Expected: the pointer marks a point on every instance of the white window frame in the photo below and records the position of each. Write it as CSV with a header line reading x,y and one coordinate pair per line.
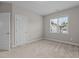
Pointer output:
x,y
59,31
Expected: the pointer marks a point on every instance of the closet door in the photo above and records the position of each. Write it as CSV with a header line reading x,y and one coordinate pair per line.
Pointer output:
x,y
20,30
4,31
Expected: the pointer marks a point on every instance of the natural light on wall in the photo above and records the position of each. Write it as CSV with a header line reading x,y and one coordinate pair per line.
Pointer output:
x,y
59,25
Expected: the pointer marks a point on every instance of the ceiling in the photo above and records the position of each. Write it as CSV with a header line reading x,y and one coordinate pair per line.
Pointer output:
x,y
46,7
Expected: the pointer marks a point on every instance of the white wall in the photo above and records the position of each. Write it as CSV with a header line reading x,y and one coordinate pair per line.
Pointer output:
x,y
73,35
34,26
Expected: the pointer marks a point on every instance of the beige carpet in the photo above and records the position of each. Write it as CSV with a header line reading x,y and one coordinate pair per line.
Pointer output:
x,y
43,49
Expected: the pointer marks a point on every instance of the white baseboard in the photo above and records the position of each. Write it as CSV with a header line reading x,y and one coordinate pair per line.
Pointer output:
x,y
76,44
5,49
33,40
30,41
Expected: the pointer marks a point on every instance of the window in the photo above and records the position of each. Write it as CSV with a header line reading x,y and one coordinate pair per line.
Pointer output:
x,y
53,25
59,25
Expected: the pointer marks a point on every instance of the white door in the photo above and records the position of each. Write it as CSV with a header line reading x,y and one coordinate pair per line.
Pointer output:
x,y
20,30
4,31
